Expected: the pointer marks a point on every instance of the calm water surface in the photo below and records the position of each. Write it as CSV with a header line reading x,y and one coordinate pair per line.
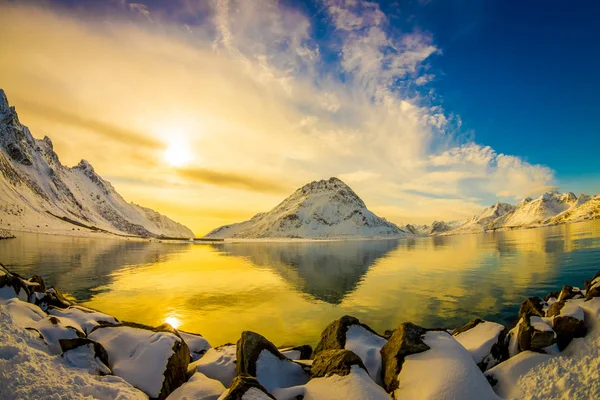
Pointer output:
x,y
289,292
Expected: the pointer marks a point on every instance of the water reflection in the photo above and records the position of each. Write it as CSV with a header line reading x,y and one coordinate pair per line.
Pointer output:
x,y
327,271
290,291
81,267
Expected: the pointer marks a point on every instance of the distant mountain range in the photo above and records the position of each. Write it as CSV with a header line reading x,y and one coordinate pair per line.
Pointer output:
x,y
318,210
38,193
330,209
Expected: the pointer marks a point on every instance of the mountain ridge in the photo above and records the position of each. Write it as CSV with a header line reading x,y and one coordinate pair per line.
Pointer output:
x,y
38,191
318,210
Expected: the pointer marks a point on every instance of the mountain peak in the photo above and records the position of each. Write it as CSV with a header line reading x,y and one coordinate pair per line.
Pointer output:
x,y
85,166
4,106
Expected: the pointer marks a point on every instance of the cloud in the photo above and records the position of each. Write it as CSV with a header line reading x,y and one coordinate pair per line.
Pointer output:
x,y
103,129
263,104
232,180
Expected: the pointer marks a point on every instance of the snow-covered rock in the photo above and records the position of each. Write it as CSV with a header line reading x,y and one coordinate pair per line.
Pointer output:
x,y
52,330
218,363
444,371
4,234
198,387
535,333
28,371
348,333
302,352
337,374
318,210
41,194
484,340
87,354
154,360
504,376
258,357
197,344
83,318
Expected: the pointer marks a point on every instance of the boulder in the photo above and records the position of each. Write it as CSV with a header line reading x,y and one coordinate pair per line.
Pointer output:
x,y
592,287
445,371
41,287
83,318
85,353
567,321
552,295
246,387
531,306
154,360
348,333
218,363
198,387
14,285
52,297
407,339
258,357
568,293
335,362
485,341
337,374
197,344
505,376
535,334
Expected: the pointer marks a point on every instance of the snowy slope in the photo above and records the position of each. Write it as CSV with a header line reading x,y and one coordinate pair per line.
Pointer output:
x,y
37,191
323,209
549,209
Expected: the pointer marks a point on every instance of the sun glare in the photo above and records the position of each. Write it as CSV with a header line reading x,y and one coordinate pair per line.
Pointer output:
x,y
178,154
173,321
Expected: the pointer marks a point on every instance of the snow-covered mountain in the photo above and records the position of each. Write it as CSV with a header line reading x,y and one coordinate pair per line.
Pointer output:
x,y
318,210
549,209
38,193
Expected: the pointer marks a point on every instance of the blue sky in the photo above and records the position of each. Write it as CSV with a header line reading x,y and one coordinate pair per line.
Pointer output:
x,y
428,109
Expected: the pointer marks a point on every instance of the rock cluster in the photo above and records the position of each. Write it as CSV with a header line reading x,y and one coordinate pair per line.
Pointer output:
x,y
351,361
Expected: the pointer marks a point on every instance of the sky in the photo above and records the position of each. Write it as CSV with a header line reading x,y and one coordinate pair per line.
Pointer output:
x,y
213,111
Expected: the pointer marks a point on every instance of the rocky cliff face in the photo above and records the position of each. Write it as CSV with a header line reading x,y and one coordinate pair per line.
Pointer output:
x,y
320,209
37,191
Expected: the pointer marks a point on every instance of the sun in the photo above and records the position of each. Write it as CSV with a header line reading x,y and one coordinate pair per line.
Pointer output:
x,y
173,321
178,154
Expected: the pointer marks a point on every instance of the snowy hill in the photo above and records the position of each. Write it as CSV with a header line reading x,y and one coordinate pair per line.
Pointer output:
x,y
318,210
38,193
551,208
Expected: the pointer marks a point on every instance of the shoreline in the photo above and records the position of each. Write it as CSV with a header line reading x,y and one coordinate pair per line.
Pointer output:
x,y
482,355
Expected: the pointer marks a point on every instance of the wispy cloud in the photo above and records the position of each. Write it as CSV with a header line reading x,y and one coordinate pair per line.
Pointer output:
x,y
232,180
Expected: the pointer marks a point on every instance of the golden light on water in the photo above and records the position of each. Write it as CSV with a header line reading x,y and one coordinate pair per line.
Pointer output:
x,y
173,321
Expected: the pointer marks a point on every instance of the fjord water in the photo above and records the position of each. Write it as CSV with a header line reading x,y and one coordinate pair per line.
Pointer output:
x,y
289,292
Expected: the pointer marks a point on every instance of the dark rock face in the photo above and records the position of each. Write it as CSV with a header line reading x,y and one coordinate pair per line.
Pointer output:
x,y
334,336
16,282
551,294
70,344
469,325
592,291
407,339
305,350
567,328
568,293
530,338
241,384
249,347
53,297
41,287
555,308
335,362
531,306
